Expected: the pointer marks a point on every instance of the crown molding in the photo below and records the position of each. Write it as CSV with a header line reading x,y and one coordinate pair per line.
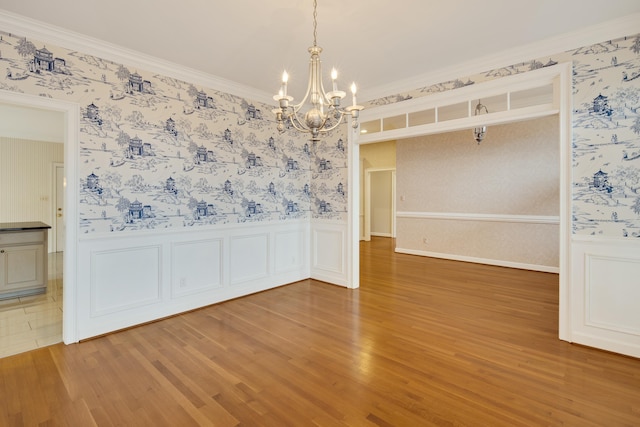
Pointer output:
x,y
27,27
609,30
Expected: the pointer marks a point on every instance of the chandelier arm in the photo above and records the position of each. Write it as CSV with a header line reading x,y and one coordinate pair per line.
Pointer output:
x,y
299,105
293,119
325,100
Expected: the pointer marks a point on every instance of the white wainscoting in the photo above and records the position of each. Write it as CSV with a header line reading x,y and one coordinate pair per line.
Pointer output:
x,y
196,266
329,261
248,258
605,294
133,278
289,247
125,278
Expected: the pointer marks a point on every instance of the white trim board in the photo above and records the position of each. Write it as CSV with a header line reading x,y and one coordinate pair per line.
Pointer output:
x,y
505,86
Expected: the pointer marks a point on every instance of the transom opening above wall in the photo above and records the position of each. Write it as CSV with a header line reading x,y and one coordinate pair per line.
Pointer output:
x,y
504,100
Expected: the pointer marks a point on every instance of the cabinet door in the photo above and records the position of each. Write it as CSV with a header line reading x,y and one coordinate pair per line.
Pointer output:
x,y
21,267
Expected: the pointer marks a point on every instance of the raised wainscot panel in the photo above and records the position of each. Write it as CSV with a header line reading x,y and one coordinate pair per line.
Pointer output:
x,y
328,254
289,250
196,266
248,257
122,279
605,291
612,293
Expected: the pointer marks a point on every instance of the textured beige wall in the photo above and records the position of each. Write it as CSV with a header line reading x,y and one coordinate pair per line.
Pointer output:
x,y
532,244
514,171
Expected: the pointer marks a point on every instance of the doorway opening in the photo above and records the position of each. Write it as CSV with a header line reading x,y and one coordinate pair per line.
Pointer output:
x,y
62,195
379,203
534,94
31,154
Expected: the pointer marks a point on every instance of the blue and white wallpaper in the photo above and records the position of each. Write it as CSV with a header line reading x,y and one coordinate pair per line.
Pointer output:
x,y
157,152
606,132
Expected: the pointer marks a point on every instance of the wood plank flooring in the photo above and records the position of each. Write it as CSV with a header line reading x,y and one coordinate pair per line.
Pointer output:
x,y
423,342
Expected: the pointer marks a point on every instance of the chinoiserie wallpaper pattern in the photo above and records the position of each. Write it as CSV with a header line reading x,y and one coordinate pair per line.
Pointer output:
x,y
606,132
158,153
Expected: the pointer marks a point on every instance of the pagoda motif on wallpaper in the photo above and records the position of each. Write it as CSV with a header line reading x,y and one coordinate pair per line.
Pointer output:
x,y
606,140
157,152
328,170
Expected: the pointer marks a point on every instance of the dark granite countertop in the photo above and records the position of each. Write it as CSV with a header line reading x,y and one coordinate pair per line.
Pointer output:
x,y
22,226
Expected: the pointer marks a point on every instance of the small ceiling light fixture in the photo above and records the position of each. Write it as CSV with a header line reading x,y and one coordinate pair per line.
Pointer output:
x,y
323,112
480,131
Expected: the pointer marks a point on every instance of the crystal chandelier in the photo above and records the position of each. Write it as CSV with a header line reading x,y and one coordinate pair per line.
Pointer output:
x,y
322,113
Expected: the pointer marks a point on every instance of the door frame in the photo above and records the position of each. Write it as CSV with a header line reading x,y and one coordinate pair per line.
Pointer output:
x,y
367,200
71,114
54,204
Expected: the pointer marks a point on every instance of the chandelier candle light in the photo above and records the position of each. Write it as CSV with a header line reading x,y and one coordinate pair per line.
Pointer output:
x,y
323,112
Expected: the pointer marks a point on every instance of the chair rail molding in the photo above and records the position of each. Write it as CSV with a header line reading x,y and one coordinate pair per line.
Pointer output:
x,y
527,219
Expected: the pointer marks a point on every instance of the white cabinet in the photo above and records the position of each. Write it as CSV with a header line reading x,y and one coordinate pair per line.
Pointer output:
x,y
23,262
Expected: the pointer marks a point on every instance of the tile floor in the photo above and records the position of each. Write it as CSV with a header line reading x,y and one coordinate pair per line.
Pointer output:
x,y
34,321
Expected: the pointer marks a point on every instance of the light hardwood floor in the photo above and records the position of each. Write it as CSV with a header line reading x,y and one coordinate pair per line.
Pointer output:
x,y
423,342
30,322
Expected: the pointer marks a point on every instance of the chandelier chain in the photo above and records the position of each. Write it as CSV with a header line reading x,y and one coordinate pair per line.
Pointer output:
x,y
315,22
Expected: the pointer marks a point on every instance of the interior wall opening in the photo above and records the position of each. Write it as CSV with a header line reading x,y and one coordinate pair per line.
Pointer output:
x,y
32,154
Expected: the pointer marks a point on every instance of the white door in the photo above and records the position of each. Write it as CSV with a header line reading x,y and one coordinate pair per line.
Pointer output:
x,y
59,222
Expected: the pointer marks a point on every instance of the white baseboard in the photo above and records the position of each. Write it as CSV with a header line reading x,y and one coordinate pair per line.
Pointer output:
x,y
500,263
381,234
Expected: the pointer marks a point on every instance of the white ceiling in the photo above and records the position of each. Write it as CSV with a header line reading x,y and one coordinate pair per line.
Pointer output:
x,y
372,42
